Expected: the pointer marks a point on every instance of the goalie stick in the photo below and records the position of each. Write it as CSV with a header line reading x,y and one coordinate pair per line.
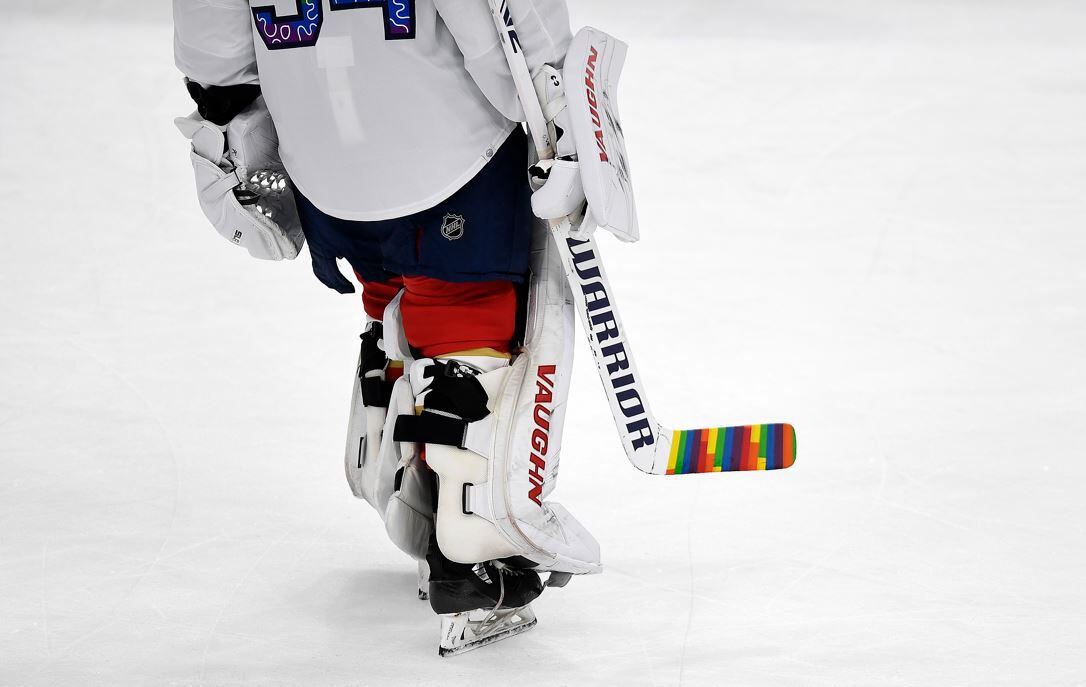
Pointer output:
x,y
650,447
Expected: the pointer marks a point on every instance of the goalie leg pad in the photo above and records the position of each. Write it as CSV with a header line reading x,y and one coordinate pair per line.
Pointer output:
x,y
461,388
493,435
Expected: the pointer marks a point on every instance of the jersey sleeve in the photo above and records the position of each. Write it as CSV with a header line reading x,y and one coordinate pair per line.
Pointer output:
x,y
213,42
543,28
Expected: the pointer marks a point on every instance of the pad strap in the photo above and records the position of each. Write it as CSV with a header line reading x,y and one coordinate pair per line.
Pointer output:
x,y
376,392
453,401
431,428
477,501
451,388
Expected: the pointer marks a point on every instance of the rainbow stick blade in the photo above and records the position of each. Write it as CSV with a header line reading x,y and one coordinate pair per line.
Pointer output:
x,y
732,449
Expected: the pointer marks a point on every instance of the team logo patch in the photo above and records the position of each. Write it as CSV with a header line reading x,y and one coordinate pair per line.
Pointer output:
x,y
452,227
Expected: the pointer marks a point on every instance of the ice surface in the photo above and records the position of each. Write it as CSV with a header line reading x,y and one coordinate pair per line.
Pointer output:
x,y
862,217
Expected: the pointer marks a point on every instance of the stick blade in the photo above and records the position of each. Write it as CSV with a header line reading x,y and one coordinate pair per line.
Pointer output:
x,y
743,448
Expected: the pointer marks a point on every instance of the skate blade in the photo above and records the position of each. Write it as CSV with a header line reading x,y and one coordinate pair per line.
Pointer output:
x,y
456,644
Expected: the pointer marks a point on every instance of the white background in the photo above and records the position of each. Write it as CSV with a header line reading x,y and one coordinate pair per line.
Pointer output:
x,y
863,217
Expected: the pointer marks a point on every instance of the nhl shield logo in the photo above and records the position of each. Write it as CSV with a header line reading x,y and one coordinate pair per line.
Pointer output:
x,y
452,227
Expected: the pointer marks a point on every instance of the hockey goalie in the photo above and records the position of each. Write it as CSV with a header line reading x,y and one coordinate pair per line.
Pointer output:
x,y
388,133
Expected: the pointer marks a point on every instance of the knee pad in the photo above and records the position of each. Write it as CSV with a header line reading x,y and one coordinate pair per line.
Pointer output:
x,y
493,435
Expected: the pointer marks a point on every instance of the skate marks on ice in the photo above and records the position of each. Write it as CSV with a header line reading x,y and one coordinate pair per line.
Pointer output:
x,y
73,428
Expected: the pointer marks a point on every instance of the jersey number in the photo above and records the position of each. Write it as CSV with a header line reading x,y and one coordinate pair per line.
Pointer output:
x,y
302,30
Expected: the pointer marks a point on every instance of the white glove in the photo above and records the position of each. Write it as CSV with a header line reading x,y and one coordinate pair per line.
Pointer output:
x,y
560,192
591,159
241,184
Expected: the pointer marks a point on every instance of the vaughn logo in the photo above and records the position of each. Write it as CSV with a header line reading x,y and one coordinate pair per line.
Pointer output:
x,y
452,227
541,436
593,101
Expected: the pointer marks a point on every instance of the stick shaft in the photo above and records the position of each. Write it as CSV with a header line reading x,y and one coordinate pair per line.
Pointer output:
x,y
522,78
641,434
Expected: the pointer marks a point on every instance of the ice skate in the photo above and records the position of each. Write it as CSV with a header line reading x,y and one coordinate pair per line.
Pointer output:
x,y
463,632
482,581
480,604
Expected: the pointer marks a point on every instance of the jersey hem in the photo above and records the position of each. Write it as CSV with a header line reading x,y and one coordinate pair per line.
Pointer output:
x,y
425,204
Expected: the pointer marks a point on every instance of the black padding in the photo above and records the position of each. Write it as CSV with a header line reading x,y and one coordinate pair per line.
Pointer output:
x,y
455,389
430,428
220,104
373,358
376,393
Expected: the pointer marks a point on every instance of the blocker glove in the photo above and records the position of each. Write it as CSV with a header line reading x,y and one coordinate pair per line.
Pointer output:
x,y
559,190
241,184
590,147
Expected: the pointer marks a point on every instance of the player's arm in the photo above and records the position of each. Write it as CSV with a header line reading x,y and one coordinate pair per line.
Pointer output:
x,y
544,34
542,29
235,151
213,48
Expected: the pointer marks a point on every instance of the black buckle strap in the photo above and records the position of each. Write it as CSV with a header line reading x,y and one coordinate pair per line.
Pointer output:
x,y
431,428
454,399
373,358
376,393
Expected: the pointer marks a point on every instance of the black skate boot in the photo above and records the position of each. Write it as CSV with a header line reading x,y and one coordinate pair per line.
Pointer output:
x,y
482,603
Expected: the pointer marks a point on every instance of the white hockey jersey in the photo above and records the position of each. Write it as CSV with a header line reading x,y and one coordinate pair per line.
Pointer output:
x,y
383,107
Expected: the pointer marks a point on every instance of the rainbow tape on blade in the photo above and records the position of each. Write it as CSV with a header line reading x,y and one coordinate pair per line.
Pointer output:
x,y
732,449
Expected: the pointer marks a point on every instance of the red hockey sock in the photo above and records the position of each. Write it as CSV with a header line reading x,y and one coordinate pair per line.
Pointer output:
x,y
440,317
376,295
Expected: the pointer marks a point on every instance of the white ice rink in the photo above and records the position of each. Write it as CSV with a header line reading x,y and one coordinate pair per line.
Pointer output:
x,y
865,217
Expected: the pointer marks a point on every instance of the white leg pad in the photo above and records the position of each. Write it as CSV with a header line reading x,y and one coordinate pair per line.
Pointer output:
x,y
463,538
361,455
409,517
493,493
